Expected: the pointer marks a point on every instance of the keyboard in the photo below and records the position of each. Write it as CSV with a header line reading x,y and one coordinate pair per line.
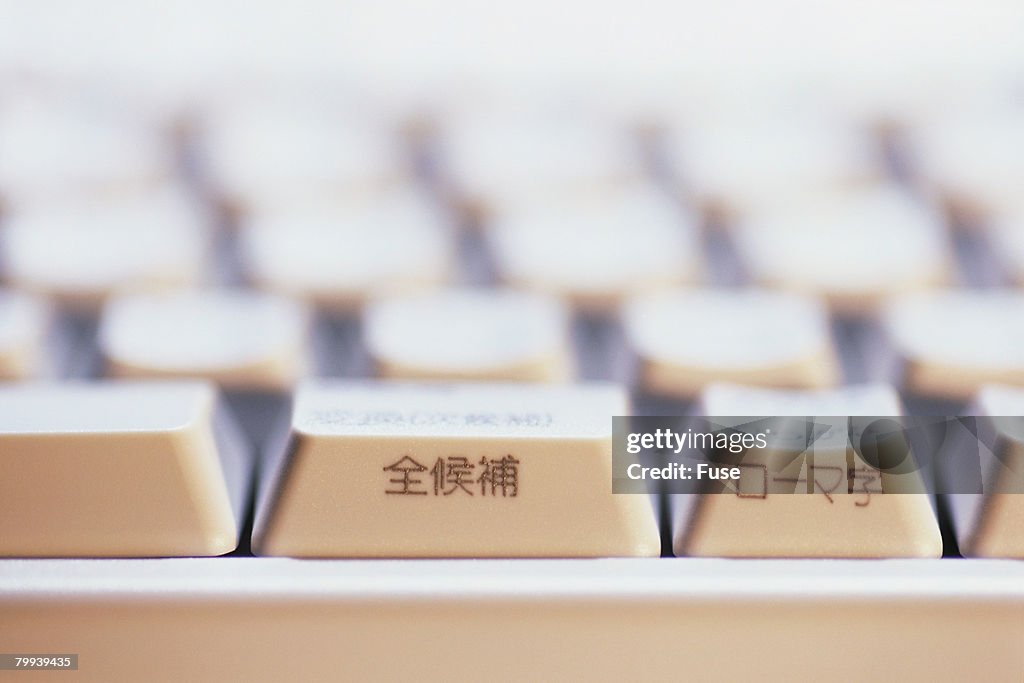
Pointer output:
x,y
307,377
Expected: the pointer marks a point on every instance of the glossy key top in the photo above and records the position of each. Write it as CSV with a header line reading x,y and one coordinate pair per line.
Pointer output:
x,y
264,151
81,252
852,248
494,160
393,470
596,251
736,164
119,470
951,342
470,335
240,339
684,339
337,255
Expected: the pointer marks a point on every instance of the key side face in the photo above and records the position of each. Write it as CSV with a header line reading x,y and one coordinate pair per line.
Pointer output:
x,y
446,471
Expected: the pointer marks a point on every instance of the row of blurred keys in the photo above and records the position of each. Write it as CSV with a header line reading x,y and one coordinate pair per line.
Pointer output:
x,y
259,150
949,343
330,210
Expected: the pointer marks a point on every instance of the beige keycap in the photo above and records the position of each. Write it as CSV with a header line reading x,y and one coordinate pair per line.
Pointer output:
x,y
972,158
495,160
595,251
266,152
776,618
953,342
736,165
496,470
236,338
685,339
81,252
991,523
853,248
795,499
63,146
119,470
337,256
24,327
466,334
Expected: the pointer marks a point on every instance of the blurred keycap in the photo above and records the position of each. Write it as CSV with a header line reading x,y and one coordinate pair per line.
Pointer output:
x,y
83,251
685,339
268,152
68,145
240,339
470,335
733,165
338,255
951,342
596,251
853,248
508,158
972,157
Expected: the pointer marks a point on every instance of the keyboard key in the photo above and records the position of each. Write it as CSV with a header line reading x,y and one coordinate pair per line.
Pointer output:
x,y
73,148
594,252
118,470
338,256
684,340
972,159
733,166
470,335
494,161
82,252
265,153
853,249
24,327
807,500
953,342
507,470
239,339
991,523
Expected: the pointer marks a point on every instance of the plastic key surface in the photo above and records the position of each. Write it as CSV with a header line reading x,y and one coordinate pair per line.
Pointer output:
x,y
119,469
497,470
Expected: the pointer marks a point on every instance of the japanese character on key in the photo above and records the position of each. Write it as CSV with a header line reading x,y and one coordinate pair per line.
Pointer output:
x,y
406,483
456,473
500,475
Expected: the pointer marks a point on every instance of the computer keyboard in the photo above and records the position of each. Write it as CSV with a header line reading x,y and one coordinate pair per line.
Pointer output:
x,y
299,386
